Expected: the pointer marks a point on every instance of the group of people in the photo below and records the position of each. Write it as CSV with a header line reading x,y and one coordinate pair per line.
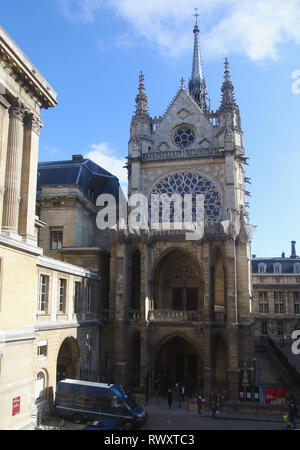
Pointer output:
x,y
163,392
215,401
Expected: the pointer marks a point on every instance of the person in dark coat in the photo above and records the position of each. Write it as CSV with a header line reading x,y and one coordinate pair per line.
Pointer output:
x,y
200,400
292,413
169,398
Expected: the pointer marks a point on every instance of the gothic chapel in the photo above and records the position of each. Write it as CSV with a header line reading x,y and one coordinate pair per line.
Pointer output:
x,y
179,309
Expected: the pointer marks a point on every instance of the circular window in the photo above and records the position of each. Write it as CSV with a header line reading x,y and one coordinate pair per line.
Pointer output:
x,y
184,136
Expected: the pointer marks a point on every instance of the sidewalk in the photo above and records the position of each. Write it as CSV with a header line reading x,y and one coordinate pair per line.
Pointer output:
x,y
152,406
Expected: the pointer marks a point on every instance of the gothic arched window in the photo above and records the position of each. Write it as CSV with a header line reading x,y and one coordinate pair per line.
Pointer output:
x,y
188,182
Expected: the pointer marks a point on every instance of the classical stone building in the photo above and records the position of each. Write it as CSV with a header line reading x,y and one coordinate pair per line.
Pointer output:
x,y
276,296
23,93
180,306
49,307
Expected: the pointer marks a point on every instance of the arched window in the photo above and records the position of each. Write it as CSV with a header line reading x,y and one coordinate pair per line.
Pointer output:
x,y
297,268
40,387
277,268
262,268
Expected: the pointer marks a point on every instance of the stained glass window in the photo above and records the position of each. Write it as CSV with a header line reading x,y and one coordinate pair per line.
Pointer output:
x,y
189,183
184,136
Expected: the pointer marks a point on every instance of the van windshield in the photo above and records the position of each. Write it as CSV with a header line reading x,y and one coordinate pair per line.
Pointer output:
x,y
130,401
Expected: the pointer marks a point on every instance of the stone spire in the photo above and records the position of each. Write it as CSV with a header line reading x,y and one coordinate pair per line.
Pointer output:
x,y
228,98
141,99
197,83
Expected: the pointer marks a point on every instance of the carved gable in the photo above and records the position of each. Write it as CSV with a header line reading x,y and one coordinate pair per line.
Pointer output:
x,y
184,112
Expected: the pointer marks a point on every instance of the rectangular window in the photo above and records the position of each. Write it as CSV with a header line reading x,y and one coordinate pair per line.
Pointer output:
x,y
89,293
264,308
43,293
83,399
263,295
42,348
296,296
278,296
297,308
280,328
264,328
279,308
298,280
64,396
77,294
56,239
62,295
103,402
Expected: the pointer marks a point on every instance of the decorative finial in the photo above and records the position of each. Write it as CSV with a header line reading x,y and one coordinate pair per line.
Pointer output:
x,y
141,98
182,83
227,73
196,29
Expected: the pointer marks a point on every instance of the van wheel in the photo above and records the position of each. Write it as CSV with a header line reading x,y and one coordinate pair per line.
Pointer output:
x,y
128,425
77,418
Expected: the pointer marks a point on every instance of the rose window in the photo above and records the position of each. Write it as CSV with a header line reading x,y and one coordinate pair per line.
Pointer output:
x,y
184,136
188,183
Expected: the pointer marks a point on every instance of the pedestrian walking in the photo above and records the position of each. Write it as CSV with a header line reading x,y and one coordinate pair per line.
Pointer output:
x,y
179,394
218,401
200,401
213,408
169,398
292,414
182,392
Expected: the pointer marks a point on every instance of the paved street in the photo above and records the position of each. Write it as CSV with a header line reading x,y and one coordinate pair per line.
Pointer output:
x,y
161,418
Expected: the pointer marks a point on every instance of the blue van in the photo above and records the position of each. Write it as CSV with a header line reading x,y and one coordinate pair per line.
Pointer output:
x,y
86,400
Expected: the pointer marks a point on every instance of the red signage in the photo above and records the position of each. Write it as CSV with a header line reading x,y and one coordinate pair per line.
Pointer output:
x,y
16,406
275,395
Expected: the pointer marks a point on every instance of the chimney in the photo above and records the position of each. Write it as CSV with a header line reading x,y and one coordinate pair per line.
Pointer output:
x,y
77,158
293,255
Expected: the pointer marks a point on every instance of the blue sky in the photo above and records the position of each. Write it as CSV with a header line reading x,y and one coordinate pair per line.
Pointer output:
x,y
91,52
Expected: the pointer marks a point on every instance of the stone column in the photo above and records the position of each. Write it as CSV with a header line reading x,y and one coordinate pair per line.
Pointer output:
x,y
147,281
4,119
29,178
207,361
10,222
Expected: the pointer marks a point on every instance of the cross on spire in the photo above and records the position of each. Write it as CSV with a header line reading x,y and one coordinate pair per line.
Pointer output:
x,y
196,15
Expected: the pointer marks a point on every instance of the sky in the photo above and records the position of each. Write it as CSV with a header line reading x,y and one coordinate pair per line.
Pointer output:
x,y
92,51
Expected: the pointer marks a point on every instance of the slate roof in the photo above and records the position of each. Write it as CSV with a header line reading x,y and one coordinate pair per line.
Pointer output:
x,y
287,264
86,174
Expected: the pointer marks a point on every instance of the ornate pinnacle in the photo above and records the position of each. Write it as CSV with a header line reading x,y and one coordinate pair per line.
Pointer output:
x,y
141,99
228,98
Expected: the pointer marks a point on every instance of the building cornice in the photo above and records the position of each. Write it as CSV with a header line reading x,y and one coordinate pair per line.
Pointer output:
x,y
25,72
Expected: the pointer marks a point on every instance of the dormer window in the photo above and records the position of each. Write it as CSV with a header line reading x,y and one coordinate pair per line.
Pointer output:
x,y
277,268
297,268
262,268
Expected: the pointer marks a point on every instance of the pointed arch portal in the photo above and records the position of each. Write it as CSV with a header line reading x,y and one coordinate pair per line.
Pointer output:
x,y
178,361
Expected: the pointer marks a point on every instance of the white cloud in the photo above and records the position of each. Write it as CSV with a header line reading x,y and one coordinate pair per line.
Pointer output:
x,y
104,155
255,28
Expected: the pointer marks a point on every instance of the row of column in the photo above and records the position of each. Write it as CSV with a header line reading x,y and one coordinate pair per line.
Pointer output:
x,y
19,134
